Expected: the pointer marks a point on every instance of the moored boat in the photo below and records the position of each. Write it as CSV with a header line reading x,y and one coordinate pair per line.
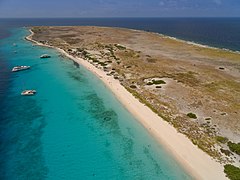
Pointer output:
x,y
45,56
20,68
28,92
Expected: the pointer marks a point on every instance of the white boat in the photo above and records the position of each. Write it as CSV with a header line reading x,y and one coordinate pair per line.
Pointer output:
x,y
28,92
20,68
45,56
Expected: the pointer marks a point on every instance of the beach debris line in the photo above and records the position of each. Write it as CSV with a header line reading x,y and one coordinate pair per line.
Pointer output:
x,y
28,92
20,68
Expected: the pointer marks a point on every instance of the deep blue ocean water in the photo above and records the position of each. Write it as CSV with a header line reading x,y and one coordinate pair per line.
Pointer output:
x,y
216,32
74,128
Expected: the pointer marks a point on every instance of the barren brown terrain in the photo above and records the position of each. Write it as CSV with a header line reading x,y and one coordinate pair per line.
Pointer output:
x,y
194,88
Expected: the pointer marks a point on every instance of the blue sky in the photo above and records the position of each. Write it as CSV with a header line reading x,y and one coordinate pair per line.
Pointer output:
x,y
119,8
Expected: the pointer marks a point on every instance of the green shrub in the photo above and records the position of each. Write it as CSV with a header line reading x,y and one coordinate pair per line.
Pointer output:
x,y
226,152
221,139
133,86
120,47
158,82
191,115
102,64
149,83
232,172
234,147
109,46
95,60
84,53
80,49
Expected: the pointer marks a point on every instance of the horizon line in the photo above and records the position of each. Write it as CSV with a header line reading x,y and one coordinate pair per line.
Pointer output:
x,y
116,17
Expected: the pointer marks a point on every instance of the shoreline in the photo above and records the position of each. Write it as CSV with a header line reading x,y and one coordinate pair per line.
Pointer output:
x,y
189,42
196,162
193,43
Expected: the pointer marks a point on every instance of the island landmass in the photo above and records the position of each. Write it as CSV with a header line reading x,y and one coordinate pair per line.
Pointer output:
x,y
193,88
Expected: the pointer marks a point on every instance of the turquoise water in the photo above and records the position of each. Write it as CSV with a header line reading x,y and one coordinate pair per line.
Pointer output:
x,y
74,128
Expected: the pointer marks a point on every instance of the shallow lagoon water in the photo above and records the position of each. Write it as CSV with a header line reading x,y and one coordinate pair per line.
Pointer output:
x,y
74,128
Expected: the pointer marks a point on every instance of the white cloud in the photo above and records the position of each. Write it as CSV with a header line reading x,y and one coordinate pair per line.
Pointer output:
x,y
161,3
218,2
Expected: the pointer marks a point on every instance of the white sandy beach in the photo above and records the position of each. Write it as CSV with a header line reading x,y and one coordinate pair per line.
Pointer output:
x,y
199,164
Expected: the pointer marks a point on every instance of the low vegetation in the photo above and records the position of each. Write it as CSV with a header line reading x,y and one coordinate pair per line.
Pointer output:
x,y
192,115
102,64
156,82
133,86
232,172
221,139
120,47
234,147
226,152
149,83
